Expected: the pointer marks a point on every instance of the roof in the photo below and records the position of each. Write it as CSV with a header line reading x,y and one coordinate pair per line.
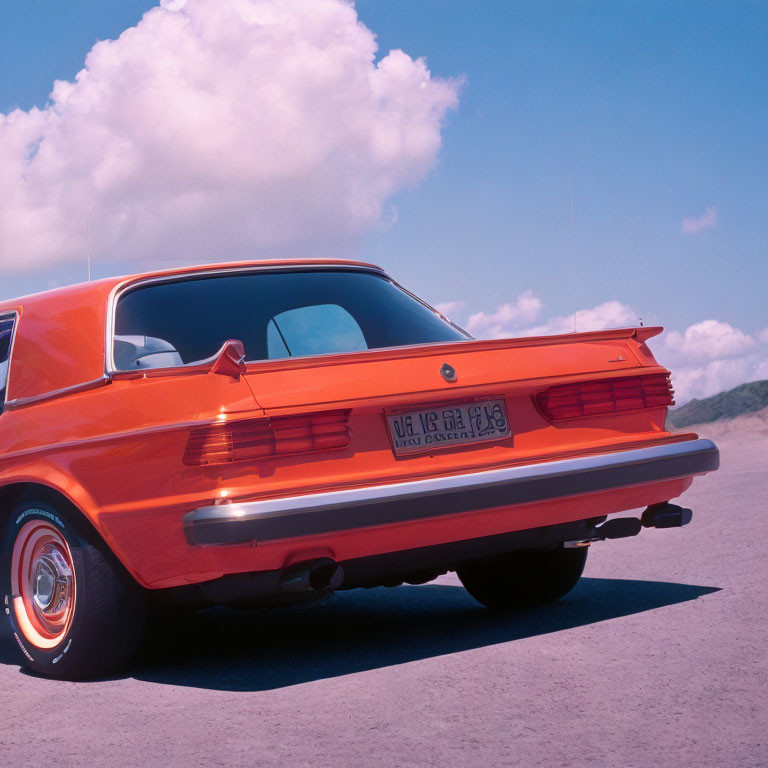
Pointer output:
x,y
59,341
104,286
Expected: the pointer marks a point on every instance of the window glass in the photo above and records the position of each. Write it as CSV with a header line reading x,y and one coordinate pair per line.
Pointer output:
x,y
275,314
316,330
6,332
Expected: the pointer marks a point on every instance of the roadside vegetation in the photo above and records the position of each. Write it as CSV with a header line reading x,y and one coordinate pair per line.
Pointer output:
x,y
743,399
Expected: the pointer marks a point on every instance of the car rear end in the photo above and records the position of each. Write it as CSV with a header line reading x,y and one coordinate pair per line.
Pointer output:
x,y
270,433
384,444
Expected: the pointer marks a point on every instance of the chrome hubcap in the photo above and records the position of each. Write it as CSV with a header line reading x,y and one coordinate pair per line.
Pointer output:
x,y
43,584
53,581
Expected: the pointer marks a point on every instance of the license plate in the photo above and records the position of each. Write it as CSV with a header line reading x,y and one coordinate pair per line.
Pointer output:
x,y
447,425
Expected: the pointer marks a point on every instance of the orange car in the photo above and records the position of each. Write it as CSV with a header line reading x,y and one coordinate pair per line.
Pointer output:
x,y
271,432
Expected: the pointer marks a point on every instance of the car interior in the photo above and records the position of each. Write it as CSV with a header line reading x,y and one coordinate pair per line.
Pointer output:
x,y
140,352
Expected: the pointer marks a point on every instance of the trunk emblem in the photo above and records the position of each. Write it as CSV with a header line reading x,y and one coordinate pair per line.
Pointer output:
x,y
448,372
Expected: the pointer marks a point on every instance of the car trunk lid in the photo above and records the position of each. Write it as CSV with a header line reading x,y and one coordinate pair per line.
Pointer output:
x,y
391,377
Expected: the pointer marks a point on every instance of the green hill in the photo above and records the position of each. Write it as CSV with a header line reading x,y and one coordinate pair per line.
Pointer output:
x,y
745,398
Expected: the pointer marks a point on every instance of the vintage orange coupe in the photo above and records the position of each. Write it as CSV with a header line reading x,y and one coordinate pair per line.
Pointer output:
x,y
270,432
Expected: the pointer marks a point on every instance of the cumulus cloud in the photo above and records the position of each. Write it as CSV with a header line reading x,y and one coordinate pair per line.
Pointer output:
x,y
516,318
712,356
706,358
450,308
507,317
695,224
610,314
709,340
217,130
698,382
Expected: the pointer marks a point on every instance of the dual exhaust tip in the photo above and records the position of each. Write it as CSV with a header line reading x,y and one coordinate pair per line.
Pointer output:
x,y
324,575
664,515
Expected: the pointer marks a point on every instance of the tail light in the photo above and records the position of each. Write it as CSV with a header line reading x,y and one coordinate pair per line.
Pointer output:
x,y
261,438
630,393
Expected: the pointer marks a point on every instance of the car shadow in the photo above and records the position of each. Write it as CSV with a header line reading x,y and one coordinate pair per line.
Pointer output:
x,y
361,630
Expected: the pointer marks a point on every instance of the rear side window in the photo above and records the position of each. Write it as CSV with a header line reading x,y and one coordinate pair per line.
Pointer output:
x,y
275,314
6,334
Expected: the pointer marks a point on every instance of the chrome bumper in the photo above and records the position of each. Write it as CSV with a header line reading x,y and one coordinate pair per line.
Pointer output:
x,y
314,513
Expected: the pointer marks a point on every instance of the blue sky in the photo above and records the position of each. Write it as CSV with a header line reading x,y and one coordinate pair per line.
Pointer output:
x,y
659,109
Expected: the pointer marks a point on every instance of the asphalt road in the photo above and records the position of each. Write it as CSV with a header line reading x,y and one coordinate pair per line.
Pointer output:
x,y
658,658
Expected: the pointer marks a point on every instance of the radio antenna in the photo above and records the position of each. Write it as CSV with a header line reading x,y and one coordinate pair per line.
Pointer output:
x,y
573,250
87,230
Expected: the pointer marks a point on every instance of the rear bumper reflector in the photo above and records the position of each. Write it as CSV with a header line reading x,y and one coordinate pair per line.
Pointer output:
x,y
315,513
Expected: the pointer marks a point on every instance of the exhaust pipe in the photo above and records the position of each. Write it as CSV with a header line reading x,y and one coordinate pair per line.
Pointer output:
x,y
663,515
312,576
618,528
666,515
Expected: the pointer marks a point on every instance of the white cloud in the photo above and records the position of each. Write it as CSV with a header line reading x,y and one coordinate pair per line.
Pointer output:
x,y
711,357
217,130
709,340
716,376
507,318
706,358
450,308
611,314
694,224
514,319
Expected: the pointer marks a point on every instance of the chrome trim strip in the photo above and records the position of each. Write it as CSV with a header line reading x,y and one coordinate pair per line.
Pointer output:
x,y
418,499
16,315
90,442
20,402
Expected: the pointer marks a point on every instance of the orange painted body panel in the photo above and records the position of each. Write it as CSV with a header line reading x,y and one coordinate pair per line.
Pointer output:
x,y
114,443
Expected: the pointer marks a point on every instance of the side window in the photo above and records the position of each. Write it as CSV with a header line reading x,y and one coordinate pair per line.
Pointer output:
x,y
317,330
6,333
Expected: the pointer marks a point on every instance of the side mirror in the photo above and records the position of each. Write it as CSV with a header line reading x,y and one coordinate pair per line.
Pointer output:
x,y
230,359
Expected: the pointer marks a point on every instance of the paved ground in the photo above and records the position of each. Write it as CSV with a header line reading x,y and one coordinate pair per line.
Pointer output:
x,y
658,658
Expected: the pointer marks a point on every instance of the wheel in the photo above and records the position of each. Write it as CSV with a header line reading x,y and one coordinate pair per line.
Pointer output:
x,y
525,578
72,613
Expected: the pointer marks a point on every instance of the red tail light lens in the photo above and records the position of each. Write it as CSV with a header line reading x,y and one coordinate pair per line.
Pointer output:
x,y
569,401
261,438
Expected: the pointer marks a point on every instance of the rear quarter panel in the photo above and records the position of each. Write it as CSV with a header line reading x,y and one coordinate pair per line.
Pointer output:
x,y
116,451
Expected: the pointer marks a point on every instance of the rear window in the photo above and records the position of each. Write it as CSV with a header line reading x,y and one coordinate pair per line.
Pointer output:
x,y
275,314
